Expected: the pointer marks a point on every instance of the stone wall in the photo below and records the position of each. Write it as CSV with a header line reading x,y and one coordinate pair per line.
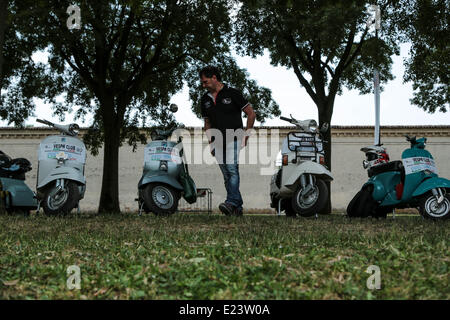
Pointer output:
x,y
347,159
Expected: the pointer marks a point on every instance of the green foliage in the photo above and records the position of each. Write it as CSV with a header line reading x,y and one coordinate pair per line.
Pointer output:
x,y
326,43
130,57
20,77
427,27
195,256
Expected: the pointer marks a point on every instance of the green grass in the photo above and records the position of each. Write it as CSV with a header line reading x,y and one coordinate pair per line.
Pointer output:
x,y
196,256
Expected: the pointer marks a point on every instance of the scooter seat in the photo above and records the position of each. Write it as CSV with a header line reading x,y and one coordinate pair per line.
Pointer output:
x,y
387,167
15,169
4,159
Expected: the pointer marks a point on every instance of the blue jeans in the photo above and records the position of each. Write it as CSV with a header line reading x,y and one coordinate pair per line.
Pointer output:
x,y
230,171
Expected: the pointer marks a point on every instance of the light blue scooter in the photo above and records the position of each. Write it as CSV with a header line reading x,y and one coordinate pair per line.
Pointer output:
x,y
159,189
61,183
412,182
15,196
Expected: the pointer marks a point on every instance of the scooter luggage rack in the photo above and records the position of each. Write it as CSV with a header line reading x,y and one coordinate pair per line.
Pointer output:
x,y
305,145
203,203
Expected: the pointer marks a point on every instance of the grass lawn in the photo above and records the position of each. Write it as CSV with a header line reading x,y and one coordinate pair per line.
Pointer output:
x,y
199,256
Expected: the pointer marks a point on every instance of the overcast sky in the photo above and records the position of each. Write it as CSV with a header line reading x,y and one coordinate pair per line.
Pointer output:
x,y
350,108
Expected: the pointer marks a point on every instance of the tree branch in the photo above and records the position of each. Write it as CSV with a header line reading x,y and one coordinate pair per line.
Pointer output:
x,y
358,49
302,79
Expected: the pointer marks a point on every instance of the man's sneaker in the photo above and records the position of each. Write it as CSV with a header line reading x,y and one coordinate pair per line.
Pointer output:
x,y
237,212
226,208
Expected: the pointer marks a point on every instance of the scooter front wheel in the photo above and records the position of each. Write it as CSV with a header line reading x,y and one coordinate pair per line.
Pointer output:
x,y
61,200
311,203
430,208
161,199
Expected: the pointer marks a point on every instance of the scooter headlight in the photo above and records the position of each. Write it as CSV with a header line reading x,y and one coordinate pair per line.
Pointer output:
x,y
61,157
163,165
313,126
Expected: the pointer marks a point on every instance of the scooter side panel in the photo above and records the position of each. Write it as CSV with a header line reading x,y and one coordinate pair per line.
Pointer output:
x,y
21,194
412,182
431,183
163,178
384,187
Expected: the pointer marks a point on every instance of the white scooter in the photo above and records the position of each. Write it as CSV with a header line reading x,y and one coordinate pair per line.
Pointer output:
x,y
299,185
61,183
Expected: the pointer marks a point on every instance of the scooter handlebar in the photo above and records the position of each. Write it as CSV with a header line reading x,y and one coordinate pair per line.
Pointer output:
x,y
410,139
286,119
45,122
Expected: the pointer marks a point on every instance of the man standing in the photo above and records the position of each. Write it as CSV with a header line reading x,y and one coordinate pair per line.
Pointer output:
x,y
221,109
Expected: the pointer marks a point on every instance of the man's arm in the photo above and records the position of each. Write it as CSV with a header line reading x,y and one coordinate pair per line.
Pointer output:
x,y
251,116
206,127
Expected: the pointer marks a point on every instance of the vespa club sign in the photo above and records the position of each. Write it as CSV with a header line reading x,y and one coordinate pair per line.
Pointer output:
x,y
417,164
74,153
162,153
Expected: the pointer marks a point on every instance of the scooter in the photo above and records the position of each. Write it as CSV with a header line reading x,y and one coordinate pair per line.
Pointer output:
x,y
412,182
159,189
15,195
61,183
299,186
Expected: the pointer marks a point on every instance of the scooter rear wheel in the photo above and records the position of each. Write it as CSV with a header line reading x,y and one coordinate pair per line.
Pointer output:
x,y
62,202
161,199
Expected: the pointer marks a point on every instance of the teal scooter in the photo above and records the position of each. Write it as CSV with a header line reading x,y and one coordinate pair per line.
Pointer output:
x,y
165,178
15,196
412,182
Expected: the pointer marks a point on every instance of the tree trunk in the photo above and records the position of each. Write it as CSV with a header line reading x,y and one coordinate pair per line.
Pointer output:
x,y
109,196
325,116
3,22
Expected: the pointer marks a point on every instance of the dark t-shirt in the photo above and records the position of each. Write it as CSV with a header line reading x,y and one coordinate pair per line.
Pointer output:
x,y
226,111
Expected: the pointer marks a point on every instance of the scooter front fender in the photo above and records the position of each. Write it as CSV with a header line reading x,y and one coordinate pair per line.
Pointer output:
x,y
291,173
431,183
68,173
163,178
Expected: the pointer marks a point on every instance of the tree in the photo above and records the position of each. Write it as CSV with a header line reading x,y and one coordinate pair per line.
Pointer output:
x,y
327,44
124,62
425,23
3,23
20,76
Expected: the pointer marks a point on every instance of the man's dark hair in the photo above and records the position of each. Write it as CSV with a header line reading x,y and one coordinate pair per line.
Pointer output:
x,y
210,71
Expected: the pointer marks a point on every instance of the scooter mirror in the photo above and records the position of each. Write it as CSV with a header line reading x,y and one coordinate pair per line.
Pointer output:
x,y
324,127
74,129
365,164
173,107
153,135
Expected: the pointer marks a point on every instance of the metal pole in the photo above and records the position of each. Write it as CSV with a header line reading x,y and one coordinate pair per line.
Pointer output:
x,y
376,81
